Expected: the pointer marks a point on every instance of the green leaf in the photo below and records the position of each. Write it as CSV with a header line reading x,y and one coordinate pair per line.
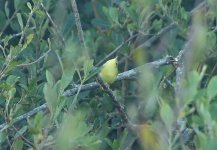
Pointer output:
x,y
36,1
74,132
28,40
14,51
6,9
191,86
205,114
14,24
88,66
166,114
29,5
101,23
66,79
3,19
3,136
60,107
50,78
20,20
211,144
131,12
109,142
18,144
18,4
38,119
93,73
12,79
6,39
184,14
212,88
51,97
211,39
157,24
11,93
113,13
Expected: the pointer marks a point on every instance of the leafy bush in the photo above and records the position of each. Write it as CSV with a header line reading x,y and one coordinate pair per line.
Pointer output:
x,y
52,97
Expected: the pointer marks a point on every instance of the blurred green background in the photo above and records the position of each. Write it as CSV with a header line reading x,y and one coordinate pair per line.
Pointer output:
x,y
47,47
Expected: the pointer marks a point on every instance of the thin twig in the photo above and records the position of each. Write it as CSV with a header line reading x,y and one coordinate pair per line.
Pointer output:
x,y
75,100
30,144
39,59
115,50
25,28
149,42
9,20
20,33
117,104
54,25
78,23
3,51
210,75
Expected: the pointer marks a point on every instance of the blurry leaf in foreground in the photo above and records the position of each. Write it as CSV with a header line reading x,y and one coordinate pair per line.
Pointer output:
x,y
148,137
74,133
50,93
18,144
212,88
139,56
166,114
191,86
205,142
148,92
197,43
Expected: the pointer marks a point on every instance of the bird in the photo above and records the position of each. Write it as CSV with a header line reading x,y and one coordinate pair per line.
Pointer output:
x,y
109,71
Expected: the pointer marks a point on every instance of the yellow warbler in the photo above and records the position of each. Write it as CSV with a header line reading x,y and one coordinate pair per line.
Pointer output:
x,y
109,71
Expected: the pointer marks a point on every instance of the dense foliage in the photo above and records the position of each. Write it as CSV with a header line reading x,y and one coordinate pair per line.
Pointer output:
x,y
51,53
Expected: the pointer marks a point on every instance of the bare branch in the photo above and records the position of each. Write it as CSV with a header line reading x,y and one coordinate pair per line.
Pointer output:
x,y
91,86
22,117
